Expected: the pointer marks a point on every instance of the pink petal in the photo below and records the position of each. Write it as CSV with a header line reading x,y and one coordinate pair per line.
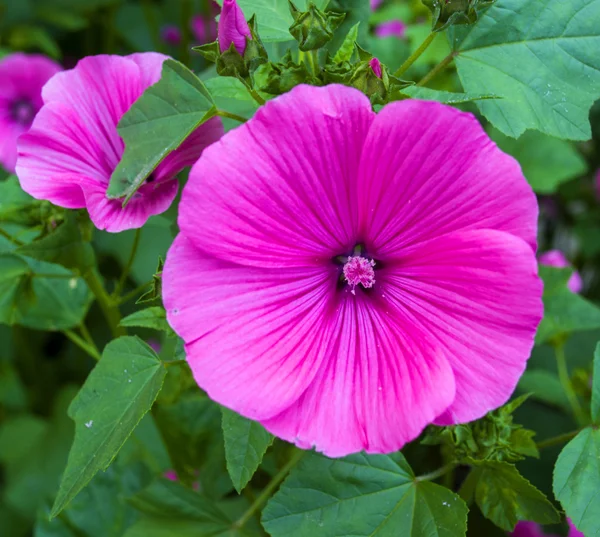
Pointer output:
x,y
429,169
150,64
109,214
283,209
253,336
478,294
573,531
555,258
528,529
381,383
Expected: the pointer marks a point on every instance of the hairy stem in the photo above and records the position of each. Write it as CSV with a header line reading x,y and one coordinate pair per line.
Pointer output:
x,y
415,55
83,345
432,476
557,440
439,67
127,268
109,308
565,380
223,113
269,489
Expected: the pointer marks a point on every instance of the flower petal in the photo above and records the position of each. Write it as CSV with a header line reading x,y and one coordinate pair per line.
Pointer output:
x,y
109,214
382,382
429,169
478,293
253,336
279,190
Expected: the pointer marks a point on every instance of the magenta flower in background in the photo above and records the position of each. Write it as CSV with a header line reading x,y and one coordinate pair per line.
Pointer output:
x,y
394,28
597,183
22,77
233,27
375,4
531,529
555,258
73,146
347,278
171,34
376,66
204,28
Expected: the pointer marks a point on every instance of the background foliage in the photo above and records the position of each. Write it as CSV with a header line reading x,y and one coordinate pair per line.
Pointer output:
x,y
96,446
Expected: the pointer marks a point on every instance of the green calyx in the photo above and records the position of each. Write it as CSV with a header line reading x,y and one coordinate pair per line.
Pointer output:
x,y
495,437
448,12
314,28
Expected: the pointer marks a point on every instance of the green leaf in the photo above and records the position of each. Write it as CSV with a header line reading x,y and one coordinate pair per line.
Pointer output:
x,y
175,511
505,496
447,97
246,442
114,398
564,311
546,161
344,53
273,16
544,386
362,496
158,123
539,57
595,408
14,201
576,481
33,37
65,246
40,295
154,317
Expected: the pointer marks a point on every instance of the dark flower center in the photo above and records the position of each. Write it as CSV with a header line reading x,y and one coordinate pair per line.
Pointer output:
x,y
357,269
22,111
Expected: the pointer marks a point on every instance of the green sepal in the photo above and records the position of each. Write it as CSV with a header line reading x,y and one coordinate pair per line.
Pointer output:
x,y
155,292
446,13
210,51
314,28
281,77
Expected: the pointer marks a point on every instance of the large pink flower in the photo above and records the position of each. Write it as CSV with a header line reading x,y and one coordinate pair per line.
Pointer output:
x,y
22,77
73,146
347,277
531,529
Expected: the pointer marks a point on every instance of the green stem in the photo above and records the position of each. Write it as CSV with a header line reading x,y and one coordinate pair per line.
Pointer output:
x,y
223,113
415,55
135,293
268,490
8,236
256,96
172,363
109,308
82,344
439,67
55,276
127,268
432,476
88,337
556,440
565,380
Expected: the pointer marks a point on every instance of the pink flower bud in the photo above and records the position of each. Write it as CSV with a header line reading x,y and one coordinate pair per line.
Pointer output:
x,y
233,27
376,66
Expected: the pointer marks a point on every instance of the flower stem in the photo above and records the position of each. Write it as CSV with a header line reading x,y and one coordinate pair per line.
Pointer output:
x,y
256,96
109,308
223,113
432,476
269,489
172,363
82,344
415,55
8,236
556,440
134,293
127,268
563,376
88,337
439,67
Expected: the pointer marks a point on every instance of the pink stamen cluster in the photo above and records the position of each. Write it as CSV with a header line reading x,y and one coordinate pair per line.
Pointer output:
x,y
357,270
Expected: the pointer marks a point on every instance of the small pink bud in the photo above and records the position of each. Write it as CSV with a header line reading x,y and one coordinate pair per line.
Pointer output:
x,y
233,27
171,34
376,66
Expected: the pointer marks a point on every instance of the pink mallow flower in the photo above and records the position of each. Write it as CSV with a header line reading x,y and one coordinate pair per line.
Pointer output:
x,y
555,258
233,27
375,4
393,28
22,77
347,278
531,529
171,34
73,146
